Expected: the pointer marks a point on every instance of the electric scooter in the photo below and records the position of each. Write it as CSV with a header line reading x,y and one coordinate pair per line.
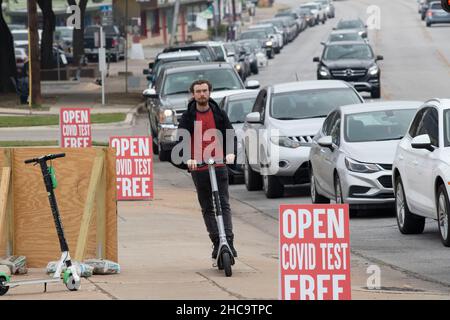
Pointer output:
x,y
225,258
70,277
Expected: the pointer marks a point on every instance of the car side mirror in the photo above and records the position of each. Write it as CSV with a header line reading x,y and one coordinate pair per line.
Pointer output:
x,y
334,28
253,117
422,142
146,71
322,43
252,84
316,59
151,65
326,142
150,93
380,58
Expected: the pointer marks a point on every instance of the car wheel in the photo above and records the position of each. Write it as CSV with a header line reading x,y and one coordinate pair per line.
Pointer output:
x,y
338,190
408,222
423,16
272,187
442,215
375,93
155,147
277,50
315,196
252,179
428,24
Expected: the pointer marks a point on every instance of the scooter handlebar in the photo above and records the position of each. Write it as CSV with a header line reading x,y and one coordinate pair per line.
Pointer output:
x,y
45,158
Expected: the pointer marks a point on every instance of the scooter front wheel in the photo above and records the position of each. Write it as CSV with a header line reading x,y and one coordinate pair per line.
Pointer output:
x,y
71,283
226,263
3,289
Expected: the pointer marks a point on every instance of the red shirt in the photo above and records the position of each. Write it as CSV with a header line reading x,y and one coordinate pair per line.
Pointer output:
x,y
206,141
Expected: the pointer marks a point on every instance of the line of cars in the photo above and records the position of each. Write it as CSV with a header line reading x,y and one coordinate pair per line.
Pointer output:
x,y
432,13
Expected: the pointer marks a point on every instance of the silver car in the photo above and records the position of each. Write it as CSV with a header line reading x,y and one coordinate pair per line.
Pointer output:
x,y
352,155
237,106
279,130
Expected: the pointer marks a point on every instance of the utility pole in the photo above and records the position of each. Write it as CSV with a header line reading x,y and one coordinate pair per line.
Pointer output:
x,y
174,22
34,68
126,46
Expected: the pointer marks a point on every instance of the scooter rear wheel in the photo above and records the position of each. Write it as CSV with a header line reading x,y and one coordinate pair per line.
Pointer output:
x,y
226,263
3,289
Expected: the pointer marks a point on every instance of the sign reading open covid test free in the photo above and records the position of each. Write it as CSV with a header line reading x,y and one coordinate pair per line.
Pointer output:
x,y
75,127
314,252
134,167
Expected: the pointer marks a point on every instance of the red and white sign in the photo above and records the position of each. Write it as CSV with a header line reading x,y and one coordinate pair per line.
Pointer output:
x,y
75,126
314,252
134,167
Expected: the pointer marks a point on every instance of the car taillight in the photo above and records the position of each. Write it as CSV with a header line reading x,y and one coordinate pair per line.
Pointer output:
x,y
429,13
114,42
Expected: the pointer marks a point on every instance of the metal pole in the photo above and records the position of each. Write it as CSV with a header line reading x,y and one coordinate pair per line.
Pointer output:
x,y
126,46
102,45
174,22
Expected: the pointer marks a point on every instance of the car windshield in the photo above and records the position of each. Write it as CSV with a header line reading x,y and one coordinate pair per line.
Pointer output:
x,y
348,51
20,36
238,109
277,23
436,6
221,79
377,125
253,35
310,7
219,52
171,62
344,37
306,104
65,32
305,11
350,24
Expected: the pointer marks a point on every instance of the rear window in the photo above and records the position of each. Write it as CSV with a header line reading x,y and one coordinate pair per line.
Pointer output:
x,y
436,6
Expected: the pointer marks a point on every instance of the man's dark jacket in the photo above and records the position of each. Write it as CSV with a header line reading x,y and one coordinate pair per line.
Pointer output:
x,y
222,124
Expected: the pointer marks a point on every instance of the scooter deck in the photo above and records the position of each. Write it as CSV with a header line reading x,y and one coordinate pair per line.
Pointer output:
x,y
13,284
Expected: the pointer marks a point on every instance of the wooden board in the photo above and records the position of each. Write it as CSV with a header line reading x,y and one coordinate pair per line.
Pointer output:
x,y
34,230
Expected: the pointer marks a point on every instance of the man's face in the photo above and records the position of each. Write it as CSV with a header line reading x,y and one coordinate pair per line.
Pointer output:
x,y
201,93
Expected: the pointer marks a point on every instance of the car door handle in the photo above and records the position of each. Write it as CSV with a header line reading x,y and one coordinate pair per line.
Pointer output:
x,y
322,150
400,157
415,162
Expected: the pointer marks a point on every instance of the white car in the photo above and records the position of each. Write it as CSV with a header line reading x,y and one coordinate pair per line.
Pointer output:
x,y
352,155
279,130
317,10
21,37
421,170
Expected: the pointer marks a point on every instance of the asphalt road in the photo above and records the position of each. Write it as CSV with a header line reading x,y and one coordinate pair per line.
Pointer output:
x,y
415,67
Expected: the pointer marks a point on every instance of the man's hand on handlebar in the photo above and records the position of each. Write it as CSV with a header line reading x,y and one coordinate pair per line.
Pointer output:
x,y
192,164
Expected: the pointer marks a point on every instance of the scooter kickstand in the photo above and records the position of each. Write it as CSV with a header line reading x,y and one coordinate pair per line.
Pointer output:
x,y
45,287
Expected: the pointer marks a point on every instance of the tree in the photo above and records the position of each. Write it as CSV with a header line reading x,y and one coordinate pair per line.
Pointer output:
x,y
47,34
78,34
8,69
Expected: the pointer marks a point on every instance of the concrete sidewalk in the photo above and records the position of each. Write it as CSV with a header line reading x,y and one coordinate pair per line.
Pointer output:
x,y
164,253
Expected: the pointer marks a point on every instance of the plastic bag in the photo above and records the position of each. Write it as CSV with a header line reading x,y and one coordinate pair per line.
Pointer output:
x,y
16,264
84,270
102,266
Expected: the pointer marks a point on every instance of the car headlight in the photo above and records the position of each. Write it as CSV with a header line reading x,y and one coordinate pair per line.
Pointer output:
x,y
269,43
361,167
285,142
374,70
324,72
238,67
167,116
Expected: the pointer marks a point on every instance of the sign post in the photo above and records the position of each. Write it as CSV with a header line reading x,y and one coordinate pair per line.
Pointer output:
x,y
134,167
314,252
102,62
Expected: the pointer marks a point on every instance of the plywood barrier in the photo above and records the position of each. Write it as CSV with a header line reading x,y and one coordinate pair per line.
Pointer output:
x,y
86,196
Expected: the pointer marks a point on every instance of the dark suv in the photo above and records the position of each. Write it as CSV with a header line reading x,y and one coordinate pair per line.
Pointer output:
x,y
351,61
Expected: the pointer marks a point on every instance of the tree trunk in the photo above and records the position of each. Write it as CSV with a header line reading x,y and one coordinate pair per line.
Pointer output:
x,y
47,34
8,69
78,34
33,54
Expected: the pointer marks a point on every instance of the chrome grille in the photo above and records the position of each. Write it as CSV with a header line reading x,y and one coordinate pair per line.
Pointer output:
x,y
349,72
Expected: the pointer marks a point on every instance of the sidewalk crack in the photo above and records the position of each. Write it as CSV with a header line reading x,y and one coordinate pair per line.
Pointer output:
x,y
233,294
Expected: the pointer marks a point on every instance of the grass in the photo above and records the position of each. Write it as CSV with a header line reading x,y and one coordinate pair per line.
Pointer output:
x,y
7,144
31,121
